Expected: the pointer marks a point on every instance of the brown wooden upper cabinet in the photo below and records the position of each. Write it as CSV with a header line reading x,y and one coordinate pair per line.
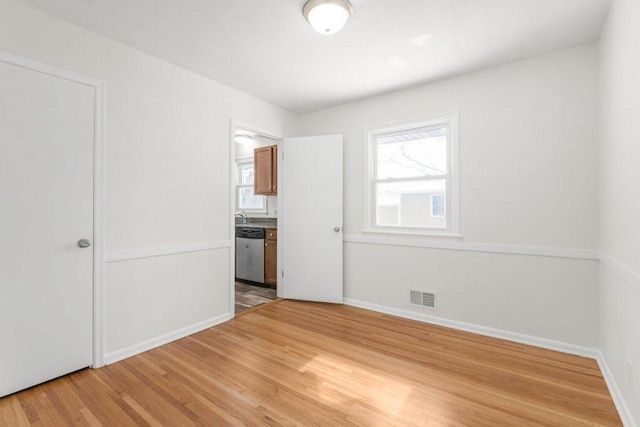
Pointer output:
x,y
265,160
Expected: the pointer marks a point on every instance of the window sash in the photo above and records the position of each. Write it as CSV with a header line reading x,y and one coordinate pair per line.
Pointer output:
x,y
239,186
450,185
417,178
374,143
447,203
263,199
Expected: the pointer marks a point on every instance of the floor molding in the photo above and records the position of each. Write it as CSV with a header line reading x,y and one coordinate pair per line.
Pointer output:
x,y
475,247
125,255
614,390
119,355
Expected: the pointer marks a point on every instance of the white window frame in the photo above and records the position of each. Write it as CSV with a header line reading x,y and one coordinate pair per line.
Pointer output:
x,y
452,194
239,163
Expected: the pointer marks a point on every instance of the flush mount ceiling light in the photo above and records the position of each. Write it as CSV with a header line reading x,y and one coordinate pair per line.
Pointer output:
x,y
327,16
242,136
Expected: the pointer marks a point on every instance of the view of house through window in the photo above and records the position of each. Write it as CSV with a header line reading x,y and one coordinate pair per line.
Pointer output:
x,y
246,200
410,176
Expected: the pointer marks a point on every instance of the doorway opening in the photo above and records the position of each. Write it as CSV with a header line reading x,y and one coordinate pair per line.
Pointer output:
x,y
254,216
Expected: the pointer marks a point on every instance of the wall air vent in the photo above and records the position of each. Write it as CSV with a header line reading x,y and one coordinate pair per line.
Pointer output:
x,y
422,299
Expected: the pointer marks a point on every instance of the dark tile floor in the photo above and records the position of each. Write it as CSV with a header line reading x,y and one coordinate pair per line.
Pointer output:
x,y
248,296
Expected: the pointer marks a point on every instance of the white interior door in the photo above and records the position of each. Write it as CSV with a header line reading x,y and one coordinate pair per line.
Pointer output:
x,y
46,188
310,219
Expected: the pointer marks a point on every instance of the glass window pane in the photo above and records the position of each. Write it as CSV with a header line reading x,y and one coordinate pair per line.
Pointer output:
x,y
245,172
437,205
409,204
247,200
413,153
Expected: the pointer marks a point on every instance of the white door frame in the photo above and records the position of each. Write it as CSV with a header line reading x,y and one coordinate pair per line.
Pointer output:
x,y
98,187
233,177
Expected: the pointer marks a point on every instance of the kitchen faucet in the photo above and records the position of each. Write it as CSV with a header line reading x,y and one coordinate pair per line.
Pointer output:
x,y
242,215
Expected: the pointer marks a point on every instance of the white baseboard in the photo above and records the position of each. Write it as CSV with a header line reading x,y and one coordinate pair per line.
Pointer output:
x,y
614,390
548,344
119,355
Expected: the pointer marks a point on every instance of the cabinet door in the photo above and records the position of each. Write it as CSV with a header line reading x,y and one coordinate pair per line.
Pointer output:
x,y
270,262
274,169
262,158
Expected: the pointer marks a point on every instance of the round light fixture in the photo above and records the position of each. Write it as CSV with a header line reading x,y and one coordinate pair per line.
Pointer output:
x,y
327,16
243,137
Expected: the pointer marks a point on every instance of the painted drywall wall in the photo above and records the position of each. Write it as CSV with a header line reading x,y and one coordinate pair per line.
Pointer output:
x,y
528,161
619,197
245,150
167,173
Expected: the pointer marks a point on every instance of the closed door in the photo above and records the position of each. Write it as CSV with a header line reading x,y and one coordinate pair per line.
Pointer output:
x,y
310,217
46,186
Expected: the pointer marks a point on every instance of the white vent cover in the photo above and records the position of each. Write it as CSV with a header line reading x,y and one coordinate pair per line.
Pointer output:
x,y
422,299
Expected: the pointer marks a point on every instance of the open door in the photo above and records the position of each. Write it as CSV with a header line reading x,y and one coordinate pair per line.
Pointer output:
x,y
310,212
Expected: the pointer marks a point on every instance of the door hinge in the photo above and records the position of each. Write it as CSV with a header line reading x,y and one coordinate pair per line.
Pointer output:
x,y
282,274
282,152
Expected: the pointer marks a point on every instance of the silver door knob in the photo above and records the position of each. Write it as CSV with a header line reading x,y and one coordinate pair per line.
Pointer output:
x,y
84,243
336,229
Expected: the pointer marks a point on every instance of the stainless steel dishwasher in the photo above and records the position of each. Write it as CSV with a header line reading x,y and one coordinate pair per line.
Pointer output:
x,y
250,254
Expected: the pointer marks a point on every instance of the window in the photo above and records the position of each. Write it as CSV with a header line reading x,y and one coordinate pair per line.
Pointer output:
x,y
412,177
437,205
245,199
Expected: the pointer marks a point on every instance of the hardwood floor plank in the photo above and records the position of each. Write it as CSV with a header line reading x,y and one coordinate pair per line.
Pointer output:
x,y
410,373
11,412
227,392
302,363
123,378
99,399
68,397
90,418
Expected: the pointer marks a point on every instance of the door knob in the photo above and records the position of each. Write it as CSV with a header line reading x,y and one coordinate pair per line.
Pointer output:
x,y
336,229
84,243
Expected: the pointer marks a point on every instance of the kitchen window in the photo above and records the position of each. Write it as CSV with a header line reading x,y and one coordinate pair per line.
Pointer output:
x,y
412,177
245,199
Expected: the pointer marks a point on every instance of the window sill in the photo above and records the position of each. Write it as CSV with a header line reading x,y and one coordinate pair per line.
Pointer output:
x,y
444,234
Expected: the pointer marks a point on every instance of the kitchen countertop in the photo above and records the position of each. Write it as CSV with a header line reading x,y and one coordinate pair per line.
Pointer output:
x,y
257,225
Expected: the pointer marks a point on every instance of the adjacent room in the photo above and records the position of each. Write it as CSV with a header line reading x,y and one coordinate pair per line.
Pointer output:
x,y
319,212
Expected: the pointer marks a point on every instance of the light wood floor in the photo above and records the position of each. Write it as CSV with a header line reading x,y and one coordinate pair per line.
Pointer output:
x,y
296,363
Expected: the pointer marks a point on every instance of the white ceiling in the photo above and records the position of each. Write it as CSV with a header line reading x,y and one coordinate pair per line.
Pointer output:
x,y
267,49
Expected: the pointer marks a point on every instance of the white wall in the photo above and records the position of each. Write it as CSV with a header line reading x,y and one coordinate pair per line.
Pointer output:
x,y
620,196
167,173
528,160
